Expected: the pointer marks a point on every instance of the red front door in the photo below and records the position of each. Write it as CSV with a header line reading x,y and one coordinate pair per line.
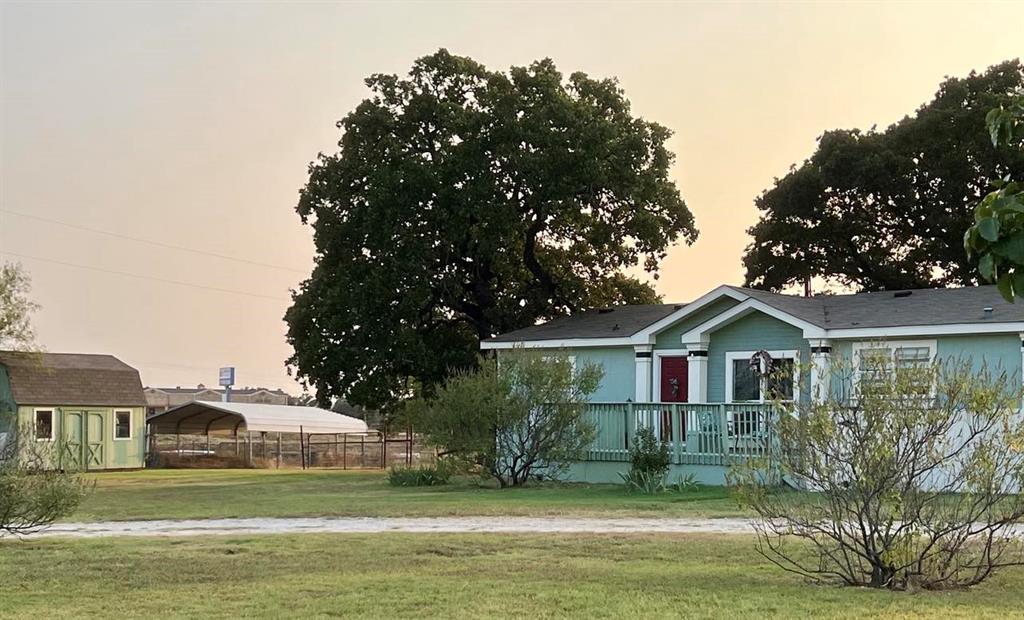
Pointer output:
x,y
673,390
673,380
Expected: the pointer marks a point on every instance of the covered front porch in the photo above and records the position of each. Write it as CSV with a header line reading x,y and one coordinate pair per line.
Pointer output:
x,y
704,439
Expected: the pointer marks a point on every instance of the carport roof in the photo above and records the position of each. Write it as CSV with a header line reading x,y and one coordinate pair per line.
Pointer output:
x,y
202,417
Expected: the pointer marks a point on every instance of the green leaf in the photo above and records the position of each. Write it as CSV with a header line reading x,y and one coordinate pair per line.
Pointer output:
x,y
987,268
1005,284
1018,281
989,228
1011,248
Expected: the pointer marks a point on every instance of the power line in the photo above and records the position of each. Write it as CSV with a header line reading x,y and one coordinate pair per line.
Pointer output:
x,y
161,244
142,277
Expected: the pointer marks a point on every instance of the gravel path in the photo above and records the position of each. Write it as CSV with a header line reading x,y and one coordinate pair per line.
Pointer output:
x,y
379,525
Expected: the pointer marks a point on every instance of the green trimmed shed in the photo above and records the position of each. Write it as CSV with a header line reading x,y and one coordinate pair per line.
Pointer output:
x,y
91,407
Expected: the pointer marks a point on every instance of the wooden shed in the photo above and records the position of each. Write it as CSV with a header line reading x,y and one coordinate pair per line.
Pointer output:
x,y
91,407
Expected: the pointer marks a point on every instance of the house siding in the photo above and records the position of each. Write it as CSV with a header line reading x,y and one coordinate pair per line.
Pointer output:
x,y
619,381
753,332
671,337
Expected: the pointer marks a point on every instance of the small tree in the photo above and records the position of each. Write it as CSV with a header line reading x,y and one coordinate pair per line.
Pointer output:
x,y
33,494
16,309
517,418
915,473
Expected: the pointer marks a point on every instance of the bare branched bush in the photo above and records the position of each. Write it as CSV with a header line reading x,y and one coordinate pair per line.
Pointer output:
x,y
33,492
913,470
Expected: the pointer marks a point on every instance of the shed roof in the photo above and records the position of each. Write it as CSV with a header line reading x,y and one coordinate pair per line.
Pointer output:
x,y
201,417
72,379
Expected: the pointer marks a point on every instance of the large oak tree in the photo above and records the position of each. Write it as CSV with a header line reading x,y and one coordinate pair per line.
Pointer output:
x,y
466,202
888,209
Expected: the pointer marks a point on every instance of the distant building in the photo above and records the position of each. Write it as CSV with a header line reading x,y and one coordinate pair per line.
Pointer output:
x,y
159,399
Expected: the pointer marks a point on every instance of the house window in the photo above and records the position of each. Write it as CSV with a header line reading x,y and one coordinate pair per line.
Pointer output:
x,y
761,381
44,424
876,362
122,425
745,383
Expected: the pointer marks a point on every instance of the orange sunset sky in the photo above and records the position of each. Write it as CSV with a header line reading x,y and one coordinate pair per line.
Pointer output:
x,y
192,124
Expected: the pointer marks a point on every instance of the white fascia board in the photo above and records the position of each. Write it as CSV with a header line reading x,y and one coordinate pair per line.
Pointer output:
x,y
954,329
569,343
697,334
646,335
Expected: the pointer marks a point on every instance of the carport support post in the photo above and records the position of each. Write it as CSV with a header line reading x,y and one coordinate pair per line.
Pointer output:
x,y
248,442
302,447
279,450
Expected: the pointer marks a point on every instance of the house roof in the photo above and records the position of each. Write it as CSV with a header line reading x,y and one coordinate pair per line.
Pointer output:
x,y
905,308
201,417
72,379
611,322
196,390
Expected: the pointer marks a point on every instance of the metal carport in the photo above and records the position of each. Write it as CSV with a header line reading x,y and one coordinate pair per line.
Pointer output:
x,y
206,418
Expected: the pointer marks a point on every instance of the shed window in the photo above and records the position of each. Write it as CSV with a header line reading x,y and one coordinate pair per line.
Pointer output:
x,y
122,425
44,424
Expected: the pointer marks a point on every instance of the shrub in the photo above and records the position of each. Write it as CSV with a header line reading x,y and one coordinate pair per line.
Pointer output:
x,y
916,473
517,418
649,461
33,492
422,476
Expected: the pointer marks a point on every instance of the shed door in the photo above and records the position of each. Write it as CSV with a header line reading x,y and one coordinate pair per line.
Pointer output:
x,y
73,423
673,380
95,458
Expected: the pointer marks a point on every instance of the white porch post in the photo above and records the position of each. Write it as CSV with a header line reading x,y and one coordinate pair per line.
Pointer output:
x,y
643,362
697,372
821,369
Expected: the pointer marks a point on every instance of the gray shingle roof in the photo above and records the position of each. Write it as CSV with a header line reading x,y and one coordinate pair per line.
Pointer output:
x,y
72,379
919,307
613,322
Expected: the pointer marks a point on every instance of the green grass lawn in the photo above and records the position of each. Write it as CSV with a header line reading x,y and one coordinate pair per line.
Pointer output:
x,y
190,493
458,576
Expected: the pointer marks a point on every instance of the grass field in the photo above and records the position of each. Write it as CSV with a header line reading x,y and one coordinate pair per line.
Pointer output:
x,y
460,576
187,493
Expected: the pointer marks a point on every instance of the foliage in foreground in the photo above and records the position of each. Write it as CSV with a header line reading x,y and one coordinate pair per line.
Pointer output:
x,y
916,470
516,418
997,236
32,494
466,202
422,476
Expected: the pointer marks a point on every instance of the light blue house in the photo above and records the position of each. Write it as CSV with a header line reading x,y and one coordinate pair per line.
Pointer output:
x,y
686,368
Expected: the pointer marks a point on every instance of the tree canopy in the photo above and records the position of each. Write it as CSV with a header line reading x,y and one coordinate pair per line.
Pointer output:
x,y
889,209
465,202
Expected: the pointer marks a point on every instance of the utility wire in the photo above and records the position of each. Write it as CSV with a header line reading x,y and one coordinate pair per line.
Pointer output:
x,y
142,277
161,244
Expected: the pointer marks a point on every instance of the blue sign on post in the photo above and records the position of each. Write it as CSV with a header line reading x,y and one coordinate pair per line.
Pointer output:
x,y
227,376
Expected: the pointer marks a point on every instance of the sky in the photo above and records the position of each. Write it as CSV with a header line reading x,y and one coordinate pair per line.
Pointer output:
x,y
191,125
